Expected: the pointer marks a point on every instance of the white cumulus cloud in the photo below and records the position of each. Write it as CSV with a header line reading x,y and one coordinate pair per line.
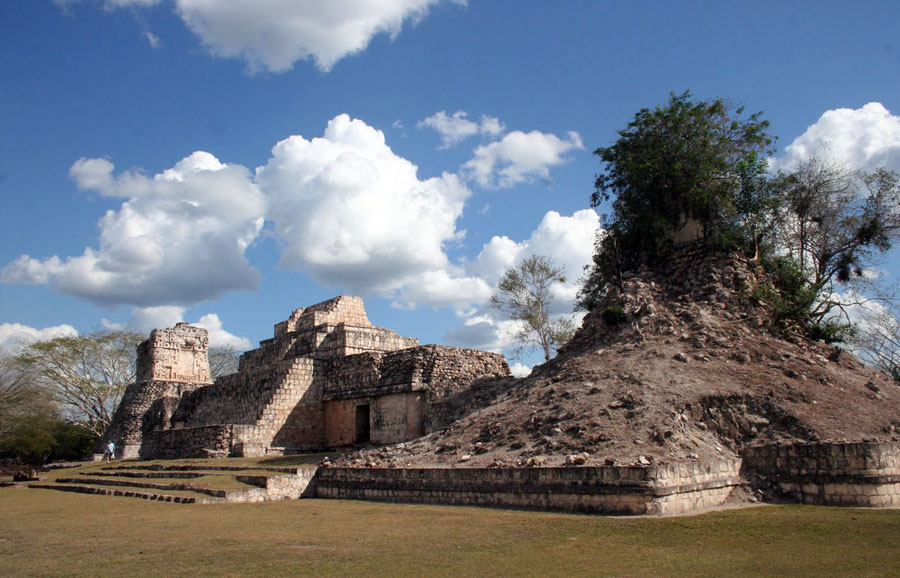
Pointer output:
x,y
351,213
218,337
178,239
520,370
568,241
277,33
457,127
15,335
865,138
519,157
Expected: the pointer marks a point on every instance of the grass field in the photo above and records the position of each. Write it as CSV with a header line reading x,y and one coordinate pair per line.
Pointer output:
x,y
47,533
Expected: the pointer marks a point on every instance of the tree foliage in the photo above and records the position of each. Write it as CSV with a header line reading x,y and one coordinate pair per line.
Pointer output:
x,y
523,293
697,163
86,375
31,428
19,394
681,164
833,224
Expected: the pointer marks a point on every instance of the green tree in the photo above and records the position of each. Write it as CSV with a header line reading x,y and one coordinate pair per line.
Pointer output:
x,y
86,375
675,167
31,428
523,293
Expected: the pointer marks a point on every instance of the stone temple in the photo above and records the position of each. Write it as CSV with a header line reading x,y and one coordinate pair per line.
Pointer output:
x,y
328,378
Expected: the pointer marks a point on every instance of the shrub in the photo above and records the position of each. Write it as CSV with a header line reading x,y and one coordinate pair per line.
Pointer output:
x,y
613,315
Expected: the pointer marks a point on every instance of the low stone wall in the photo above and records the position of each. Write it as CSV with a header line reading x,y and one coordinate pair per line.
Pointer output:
x,y
832,474
290,487
212,441
667,489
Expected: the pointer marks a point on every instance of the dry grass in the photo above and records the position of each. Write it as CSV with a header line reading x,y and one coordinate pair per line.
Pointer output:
x,y
45,533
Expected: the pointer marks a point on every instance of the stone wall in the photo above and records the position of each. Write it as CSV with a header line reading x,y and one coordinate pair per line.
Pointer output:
x,y
392,419
175,354
833,474
439,369
199,442
342,309
667,489
144,406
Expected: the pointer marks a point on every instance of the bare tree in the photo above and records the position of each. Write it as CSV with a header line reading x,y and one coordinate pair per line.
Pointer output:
x,y
523,293
223,360
86,375
19,394
835,223
876,325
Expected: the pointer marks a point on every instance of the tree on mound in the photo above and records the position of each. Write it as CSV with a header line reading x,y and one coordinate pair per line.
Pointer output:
x,y
695,170
524,294
691,169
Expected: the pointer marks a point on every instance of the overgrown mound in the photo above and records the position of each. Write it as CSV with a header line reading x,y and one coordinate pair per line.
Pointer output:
x,y
682,363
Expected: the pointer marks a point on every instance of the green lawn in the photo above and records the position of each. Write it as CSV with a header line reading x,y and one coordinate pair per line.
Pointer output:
x,y
47,533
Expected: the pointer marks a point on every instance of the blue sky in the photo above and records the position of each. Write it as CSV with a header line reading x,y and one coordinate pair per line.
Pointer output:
x,y
225,162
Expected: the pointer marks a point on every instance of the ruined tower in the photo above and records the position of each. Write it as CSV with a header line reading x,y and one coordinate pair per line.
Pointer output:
x,y
170,363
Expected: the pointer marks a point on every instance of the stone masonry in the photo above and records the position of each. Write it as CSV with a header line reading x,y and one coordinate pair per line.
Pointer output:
x,y
327,378
171,363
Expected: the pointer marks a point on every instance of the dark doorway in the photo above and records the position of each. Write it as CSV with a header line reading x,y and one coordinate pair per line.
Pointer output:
x,y
362,424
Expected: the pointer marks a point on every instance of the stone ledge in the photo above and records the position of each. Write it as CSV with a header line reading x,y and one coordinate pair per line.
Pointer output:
x,y
606,489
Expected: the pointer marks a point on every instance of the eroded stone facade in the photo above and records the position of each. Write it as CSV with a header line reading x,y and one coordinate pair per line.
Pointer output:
x,y
327,378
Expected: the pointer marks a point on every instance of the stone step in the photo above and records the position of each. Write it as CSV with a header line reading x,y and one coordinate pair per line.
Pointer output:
x,y
216,493
81,489
139,474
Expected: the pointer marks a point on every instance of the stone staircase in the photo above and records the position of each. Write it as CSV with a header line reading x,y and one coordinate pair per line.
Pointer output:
x,y
257,439
282,483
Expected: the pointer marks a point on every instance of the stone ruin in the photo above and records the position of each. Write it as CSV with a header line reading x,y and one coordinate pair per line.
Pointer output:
x,y
328,378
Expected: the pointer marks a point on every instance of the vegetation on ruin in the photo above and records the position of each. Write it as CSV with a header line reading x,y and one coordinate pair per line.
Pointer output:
x,y
47,533
697,169
672,165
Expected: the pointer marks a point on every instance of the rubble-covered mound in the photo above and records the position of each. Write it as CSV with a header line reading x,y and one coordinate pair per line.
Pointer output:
x,y
689,368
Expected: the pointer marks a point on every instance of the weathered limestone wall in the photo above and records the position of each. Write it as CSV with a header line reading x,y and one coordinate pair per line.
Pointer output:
x,y
199,442
833,474
178,353
341,309
337,341
667,489
393,418
439,369
144,406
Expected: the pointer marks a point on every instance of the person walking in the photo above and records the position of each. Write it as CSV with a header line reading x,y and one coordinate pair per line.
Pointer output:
x,y
110,451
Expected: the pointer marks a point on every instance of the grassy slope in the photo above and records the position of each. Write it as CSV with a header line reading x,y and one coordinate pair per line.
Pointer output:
x,y
45,533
